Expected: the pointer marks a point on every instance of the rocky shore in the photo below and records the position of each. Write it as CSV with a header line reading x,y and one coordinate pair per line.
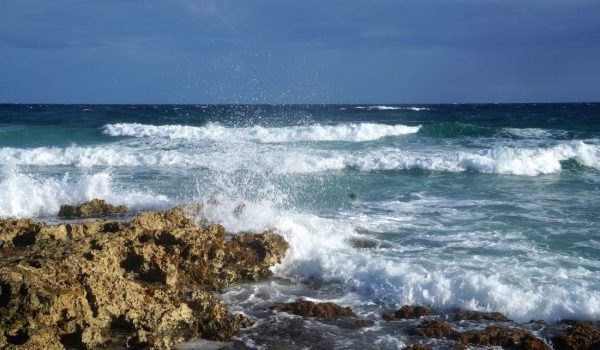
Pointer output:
x,y
146,283
457,329
153,282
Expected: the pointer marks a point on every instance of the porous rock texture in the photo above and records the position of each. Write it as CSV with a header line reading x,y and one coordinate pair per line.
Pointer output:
x,y
507,338
307,308
581,335
460,315
432,328
93,208
146,283
407,312
344,317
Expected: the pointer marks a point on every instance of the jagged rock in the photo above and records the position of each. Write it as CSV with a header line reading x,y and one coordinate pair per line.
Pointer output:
x,y
460,315
93,208
307,308
513,338
407,312
417,346
581,335
104,284
433,329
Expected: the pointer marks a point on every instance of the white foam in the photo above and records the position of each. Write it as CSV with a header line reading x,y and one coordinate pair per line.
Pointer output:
x,y
215,132
499,160
384,108
25,195
319,252
279,159
73,155
222,158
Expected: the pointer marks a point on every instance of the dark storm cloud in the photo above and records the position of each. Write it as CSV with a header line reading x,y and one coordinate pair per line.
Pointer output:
x,y
299,51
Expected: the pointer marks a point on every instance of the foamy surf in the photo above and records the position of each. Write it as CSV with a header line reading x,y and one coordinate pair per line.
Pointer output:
x,y
25,195
353,132
320,252
530,161
499,160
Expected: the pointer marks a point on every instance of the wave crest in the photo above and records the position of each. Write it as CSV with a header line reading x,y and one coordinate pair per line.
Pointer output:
x,y
215,132
499,160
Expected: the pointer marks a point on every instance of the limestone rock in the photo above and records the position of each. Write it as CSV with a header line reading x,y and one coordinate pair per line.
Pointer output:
x,y
581,335
148,283
407,312
17,232
507,338
433,329
479,316
93,208
307,308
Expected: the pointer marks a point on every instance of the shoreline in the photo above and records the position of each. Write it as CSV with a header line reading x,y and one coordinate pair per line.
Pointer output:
x,y
163,263
149,283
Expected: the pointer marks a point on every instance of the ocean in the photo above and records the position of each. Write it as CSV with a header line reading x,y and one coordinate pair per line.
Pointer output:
x,y
490,207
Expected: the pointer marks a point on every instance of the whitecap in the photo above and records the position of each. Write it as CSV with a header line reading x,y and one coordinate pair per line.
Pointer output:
x,y
343,132
274,159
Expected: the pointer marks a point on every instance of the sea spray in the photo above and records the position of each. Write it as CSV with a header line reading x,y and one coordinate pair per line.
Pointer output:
x,y
28,195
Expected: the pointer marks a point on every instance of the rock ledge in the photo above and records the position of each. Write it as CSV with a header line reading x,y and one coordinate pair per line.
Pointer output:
x,y
147,283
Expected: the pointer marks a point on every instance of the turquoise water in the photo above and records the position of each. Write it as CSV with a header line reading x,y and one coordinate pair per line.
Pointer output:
x,y
490,207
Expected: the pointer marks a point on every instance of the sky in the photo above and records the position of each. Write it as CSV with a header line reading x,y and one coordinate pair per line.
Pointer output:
x,y
304,51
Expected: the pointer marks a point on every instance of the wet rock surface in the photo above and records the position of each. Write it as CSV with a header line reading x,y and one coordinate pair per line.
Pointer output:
x,y
460,315
461,329
407,312
584,335
93,208
307,308
146,283
433,329
507,338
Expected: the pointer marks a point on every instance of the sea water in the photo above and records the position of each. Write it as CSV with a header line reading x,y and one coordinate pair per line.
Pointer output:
x,y
481,207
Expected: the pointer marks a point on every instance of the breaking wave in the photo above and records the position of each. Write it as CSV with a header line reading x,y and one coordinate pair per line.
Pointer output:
x,y
319,251
215,132
499,160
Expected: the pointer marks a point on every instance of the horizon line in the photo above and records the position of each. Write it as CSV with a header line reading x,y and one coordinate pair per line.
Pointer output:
x,y
288,104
